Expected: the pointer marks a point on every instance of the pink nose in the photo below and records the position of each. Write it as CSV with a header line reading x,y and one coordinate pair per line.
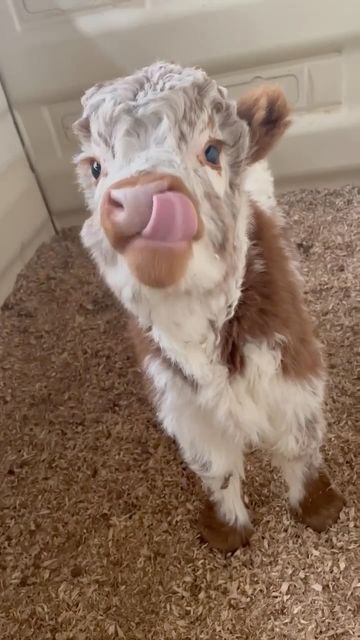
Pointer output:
x,y
131,207
152,209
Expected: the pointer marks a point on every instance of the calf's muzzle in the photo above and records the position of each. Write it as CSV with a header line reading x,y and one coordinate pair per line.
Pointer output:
x,y
152,219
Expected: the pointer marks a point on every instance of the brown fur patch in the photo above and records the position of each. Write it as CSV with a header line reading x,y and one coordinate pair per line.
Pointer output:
x,y
219,534
267,113
158,267
271,305
321,504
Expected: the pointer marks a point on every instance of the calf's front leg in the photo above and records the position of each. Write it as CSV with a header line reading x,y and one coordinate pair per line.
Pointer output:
x,y
225,523
210,452
218,461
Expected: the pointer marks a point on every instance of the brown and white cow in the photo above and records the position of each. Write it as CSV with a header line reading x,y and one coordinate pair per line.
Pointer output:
x,y
209,280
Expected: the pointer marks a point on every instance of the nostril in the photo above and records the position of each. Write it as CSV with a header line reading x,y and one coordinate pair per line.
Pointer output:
x,y
128,210
115,200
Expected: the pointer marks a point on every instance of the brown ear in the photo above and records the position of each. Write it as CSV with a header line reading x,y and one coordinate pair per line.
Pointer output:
x,y
267,113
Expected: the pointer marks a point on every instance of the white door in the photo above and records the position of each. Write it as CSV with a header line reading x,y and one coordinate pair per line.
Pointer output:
x,y
24,220
51,50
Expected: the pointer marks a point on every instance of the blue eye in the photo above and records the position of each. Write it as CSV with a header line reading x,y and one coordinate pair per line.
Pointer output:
x,y
95,169
212,154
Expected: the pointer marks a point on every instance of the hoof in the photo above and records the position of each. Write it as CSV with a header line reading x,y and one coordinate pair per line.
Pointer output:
x,y
220,535
321,504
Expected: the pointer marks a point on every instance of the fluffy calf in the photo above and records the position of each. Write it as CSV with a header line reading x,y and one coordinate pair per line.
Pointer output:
x,y
210,283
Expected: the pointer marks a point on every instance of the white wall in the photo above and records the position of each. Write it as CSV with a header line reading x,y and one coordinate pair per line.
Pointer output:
x,y
24,221
51,50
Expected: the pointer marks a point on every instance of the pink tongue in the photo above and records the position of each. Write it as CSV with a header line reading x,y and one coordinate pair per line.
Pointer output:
x,y
173,218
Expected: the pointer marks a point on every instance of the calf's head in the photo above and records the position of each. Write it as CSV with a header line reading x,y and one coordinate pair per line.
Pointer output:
x,y
163,157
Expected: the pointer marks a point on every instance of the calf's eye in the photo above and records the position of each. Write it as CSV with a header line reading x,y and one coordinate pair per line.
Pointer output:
x,y
95,169
212,154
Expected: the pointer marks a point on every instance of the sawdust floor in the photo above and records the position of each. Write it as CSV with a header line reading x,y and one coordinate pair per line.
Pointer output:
x,y
98,534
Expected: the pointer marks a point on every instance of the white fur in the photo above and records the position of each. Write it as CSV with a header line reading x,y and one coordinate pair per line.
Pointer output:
x,y
215,423
217,417
259,183
218,421
207,447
